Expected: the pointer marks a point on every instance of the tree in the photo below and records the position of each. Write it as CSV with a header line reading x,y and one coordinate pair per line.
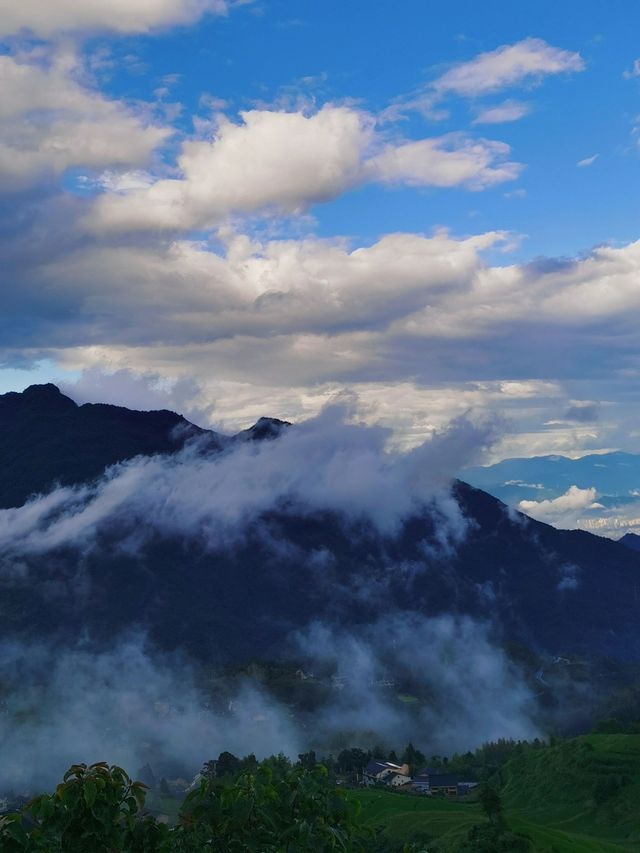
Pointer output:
x,y
413,757
95,808
308,760
299,810
227,764
491,803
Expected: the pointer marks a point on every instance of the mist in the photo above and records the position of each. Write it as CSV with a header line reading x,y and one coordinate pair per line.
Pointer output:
x,y
132,706
470,692
129,705
325,464
124,701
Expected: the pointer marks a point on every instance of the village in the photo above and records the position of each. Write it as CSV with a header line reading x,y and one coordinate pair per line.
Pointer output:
x,y
426,781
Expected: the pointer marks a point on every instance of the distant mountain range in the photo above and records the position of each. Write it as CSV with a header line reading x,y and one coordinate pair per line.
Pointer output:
x,y
558,592
615,476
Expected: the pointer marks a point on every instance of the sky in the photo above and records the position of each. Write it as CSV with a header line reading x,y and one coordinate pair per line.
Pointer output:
x,y
237,209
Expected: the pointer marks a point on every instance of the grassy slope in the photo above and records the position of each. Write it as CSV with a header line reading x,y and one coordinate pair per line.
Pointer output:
x,y
548,795
556,787
403,815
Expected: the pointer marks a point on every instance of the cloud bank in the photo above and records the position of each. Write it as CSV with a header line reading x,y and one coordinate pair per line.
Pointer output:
x,y
325,464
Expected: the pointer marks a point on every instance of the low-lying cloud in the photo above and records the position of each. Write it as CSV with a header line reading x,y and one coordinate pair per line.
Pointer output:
x,y
474,692
126,705
132,706
562,511
324,464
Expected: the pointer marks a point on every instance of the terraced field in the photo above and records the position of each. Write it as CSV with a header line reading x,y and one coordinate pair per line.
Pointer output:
x,y
582,796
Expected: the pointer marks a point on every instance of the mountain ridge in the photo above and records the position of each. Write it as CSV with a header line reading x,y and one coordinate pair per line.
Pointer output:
x,y
47,439
561,592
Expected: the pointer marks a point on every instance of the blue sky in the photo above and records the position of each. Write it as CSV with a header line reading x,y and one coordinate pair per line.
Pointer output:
x,y
374,55
245,208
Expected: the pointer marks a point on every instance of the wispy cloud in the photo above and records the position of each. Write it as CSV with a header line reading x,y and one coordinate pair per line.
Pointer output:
x,y
588,161
526,61
501,113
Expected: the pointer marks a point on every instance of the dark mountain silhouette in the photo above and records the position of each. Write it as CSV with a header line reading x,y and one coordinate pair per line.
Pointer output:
x,y
557,592
45,438
630,540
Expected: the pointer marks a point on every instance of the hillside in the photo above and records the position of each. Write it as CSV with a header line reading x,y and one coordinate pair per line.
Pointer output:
x,y
588,786
580,796
46,439
537,586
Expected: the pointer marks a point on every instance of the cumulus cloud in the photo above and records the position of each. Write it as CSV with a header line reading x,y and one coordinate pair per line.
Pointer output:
x,y
278,326
278,160
44,18
283,162
50,120
259,290
525,61
563,511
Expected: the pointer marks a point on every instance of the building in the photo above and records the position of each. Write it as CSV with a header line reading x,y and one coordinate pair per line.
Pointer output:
x,y
447,784
378,772
397,780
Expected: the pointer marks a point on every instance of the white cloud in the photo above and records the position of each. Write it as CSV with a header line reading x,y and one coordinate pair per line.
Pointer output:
x,y
502,113
285,161
51,120
509,65
634,72
447,161
302,312
563,511
588,161
46,17
260,290
271,160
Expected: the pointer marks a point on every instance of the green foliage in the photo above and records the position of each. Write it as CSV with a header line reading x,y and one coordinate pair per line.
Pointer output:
x,y
94,808
493,838
270,811
491,803
277,809
413,757
617,727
